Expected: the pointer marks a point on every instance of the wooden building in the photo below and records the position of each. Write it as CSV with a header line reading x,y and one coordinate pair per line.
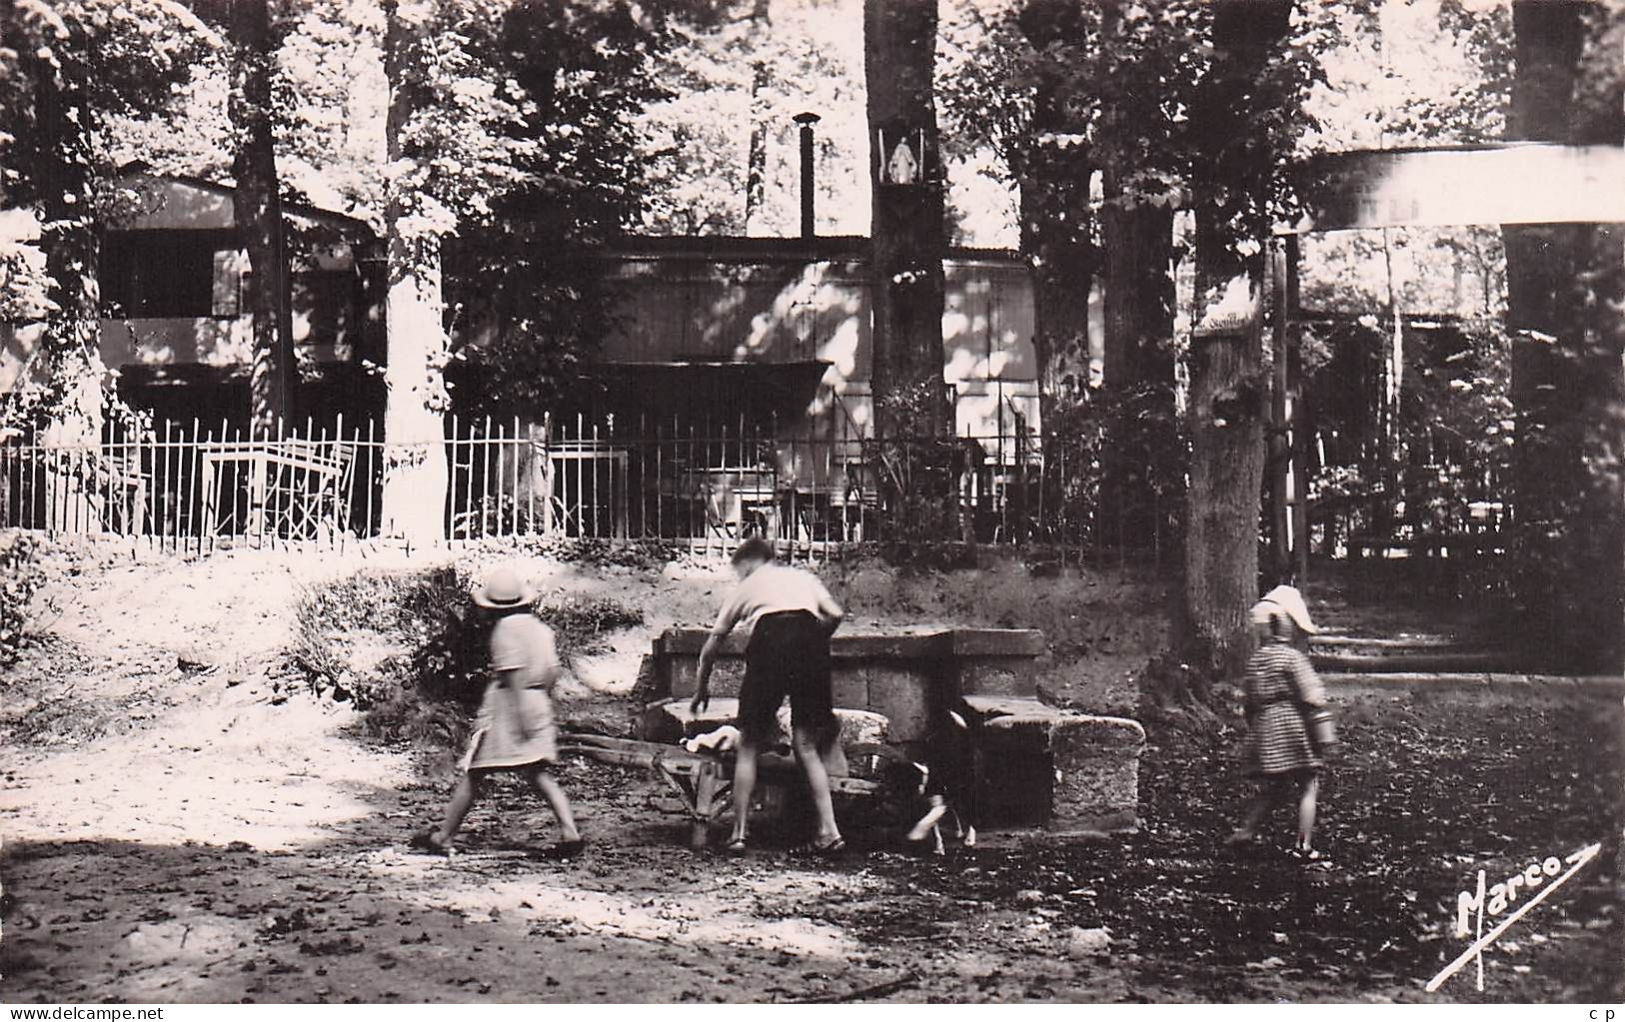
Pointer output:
x,y
174,325
712,327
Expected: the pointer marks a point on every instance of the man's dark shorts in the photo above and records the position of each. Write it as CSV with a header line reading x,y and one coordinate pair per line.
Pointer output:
x,y
788,655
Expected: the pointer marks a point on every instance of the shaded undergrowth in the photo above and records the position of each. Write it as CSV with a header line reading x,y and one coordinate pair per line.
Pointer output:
x,y
409,649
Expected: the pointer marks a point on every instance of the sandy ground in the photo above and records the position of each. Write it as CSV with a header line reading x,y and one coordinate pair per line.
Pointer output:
x,y
181,824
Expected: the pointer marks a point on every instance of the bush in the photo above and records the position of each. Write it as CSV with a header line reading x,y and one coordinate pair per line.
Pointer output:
x,y
433,638
21,578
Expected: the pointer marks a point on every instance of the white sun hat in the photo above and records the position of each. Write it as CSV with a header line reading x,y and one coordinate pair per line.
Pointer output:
x,y
1284,600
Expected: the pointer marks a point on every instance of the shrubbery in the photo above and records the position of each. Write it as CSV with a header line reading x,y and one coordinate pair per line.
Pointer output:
x,y
432,638
21,578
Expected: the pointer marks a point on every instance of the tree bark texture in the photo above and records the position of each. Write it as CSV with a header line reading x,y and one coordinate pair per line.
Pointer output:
x,y
1138,239
257,209
415,470
1566,389
756,156
1063,274
1056,220
1226,423
1138,367
1229,401
907,233
1549,37
1136,235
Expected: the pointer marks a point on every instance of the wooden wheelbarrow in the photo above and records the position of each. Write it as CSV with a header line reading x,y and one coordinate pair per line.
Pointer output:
x,y
703,780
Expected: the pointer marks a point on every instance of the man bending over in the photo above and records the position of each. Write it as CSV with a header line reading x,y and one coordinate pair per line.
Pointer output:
x,y
790,616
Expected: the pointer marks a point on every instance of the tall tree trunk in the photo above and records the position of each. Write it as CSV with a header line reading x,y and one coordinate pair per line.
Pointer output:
x,y
1228,397
1138,240
1136,235
257,208
1548,39
1063,274
1138,364
761,28
1565,386
415,473
908,235
75,372
75,375
1053,179
1226,424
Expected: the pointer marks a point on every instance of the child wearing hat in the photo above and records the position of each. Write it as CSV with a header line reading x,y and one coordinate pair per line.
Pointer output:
x,y
515,729
1288,727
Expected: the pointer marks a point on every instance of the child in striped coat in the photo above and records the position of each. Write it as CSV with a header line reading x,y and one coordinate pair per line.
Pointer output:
x,y
1288,727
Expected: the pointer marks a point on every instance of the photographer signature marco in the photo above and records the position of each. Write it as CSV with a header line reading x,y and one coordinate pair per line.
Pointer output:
x,y
1498,897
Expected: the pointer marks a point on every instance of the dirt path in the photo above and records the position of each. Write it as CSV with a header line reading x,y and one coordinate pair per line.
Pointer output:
x,y
267,864
186,826
179,828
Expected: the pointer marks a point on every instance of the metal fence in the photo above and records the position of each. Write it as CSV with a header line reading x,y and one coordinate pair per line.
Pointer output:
x,y
696,485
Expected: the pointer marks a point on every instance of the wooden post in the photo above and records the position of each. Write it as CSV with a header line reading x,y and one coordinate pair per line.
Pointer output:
x,y
1298,439
1279,435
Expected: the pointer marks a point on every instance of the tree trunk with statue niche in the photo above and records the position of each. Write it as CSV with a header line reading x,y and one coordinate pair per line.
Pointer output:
x,y
920,465
908,233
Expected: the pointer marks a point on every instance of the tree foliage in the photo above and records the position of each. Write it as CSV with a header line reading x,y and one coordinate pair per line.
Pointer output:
x,y
728,79
524,282
67,70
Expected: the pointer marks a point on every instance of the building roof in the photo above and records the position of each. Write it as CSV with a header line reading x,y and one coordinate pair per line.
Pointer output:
x,y
302,210
732,247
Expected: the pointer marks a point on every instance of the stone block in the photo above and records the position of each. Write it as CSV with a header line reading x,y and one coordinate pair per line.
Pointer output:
x,y
997,676
1097,773
672,721
901,693
915,646
997,642
991,706
1088,766
726,677
849,685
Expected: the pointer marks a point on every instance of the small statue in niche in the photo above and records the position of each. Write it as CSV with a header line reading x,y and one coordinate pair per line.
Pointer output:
x,y
904,167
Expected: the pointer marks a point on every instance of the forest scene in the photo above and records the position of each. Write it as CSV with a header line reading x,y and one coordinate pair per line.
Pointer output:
x,y
832,501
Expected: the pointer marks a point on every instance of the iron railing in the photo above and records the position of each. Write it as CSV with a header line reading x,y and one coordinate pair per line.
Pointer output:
x,y
698,485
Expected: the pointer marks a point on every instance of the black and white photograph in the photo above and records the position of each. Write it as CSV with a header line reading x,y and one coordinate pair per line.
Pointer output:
x,y
833,502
